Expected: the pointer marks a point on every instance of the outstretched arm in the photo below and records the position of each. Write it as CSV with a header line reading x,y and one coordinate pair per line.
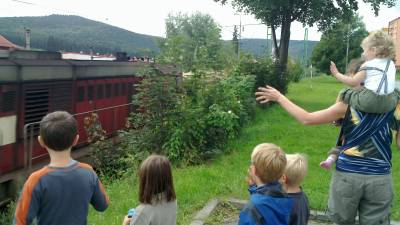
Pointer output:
x,y
352,81
327,115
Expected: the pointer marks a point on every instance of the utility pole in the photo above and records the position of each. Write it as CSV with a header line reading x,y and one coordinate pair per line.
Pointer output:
x,y
305,47
347,46
269,41
240,33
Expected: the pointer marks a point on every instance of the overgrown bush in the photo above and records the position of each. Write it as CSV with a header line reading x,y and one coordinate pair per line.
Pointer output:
x,y
295,71
7,214
189,121
109,159
265,72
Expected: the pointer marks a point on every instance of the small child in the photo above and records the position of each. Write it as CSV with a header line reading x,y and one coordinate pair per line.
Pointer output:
x,y
296,170
60,193
268,201
156,194
377,73
377,77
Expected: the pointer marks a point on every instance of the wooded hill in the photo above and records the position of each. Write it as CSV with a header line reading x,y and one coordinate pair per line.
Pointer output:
x,y
74,33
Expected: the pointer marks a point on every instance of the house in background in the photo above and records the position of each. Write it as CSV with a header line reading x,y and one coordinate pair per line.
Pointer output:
x,y
394,31
8,45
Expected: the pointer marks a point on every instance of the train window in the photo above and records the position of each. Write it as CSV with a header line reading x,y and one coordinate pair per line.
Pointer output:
x,y
116,90
108,90
9,98
81,94
123,89
100,91
90,92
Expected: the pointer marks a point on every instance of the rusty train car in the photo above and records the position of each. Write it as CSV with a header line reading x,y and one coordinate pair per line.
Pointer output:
x,y
33,83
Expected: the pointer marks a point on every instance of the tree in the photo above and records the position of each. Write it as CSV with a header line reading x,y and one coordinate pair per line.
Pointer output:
x,y
283,12
191,41
333,44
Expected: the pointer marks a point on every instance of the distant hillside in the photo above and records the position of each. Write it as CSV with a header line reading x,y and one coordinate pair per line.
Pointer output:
x,y
74,33
258,47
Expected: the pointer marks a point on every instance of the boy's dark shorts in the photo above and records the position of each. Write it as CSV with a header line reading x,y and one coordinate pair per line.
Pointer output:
x,y
368,101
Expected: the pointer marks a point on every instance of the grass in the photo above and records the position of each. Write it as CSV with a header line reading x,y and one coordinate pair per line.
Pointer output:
x,y
225,176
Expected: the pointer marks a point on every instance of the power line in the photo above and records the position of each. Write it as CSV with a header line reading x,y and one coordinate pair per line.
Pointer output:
x,y
249,24
48,7
29,3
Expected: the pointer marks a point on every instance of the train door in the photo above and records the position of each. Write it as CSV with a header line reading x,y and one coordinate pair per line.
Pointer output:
x,y
85,102
8,126
103,104
39,99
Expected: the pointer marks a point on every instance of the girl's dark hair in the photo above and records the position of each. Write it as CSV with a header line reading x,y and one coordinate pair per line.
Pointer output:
x,y
156,184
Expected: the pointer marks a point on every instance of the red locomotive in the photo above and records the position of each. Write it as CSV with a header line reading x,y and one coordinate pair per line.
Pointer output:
x,y
33,83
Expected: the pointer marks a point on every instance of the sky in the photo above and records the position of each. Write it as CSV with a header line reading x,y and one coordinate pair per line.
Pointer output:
x,y
148,16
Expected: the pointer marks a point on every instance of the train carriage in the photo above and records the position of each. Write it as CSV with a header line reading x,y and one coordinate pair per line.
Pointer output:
x,y
33,83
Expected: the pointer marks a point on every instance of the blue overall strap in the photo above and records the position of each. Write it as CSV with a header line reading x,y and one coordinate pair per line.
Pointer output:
x,y
384,78
375,127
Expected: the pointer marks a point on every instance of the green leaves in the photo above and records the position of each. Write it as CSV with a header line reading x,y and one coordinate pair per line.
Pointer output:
x,y
193,121
192,42
333,44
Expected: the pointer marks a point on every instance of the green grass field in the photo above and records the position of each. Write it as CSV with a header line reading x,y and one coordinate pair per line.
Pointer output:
x,y
225,176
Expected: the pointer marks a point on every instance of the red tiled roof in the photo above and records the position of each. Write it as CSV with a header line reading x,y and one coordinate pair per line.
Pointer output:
x,y
6,44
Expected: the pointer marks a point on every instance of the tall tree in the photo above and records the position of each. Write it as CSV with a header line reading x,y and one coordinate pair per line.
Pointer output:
x,y
283,12
191,41
333,44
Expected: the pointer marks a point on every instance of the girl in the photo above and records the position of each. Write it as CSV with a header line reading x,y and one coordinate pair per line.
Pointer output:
x,y
377,74
156,194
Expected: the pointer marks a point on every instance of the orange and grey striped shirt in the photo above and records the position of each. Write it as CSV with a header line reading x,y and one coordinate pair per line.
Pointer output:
x,y
60,195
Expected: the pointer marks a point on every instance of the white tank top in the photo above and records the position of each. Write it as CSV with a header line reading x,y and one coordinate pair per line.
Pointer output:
x,y
373,77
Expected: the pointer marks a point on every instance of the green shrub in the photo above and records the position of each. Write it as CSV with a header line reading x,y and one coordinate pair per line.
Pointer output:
x,y
266,72
191,121
295,71
108,158
7,214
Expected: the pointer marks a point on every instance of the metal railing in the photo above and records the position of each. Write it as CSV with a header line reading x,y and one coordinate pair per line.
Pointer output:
x,y
30,128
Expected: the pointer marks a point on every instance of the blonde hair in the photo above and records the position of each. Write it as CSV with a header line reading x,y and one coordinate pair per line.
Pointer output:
x,y
296,169
269,161
381,43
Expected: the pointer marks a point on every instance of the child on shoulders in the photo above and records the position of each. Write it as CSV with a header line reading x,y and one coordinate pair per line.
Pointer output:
x,y
373,85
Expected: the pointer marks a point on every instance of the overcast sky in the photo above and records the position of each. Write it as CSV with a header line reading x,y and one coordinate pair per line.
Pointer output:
x,y
148,16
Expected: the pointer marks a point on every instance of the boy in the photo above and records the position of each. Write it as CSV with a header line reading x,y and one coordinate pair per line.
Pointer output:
x,y
296,170
60,193
268,203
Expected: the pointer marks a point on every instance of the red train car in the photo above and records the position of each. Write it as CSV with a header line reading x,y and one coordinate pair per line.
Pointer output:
x,y
33,83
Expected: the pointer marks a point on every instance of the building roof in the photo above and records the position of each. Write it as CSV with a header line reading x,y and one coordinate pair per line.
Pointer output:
x,y
6,44
394,20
